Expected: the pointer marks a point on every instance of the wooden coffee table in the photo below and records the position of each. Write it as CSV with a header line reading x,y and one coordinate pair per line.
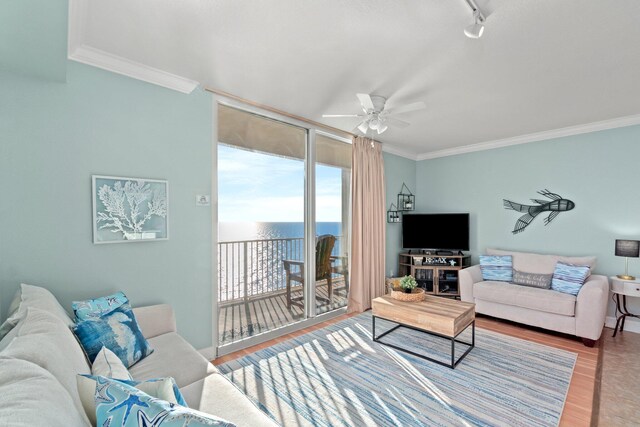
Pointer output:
x,y
437,316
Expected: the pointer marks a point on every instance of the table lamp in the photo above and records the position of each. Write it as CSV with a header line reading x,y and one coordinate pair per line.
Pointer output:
x,y
627,249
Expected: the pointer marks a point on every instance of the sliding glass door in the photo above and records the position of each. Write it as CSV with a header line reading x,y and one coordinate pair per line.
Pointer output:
x,y
282,241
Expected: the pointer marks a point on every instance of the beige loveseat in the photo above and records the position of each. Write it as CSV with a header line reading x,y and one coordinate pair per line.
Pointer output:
x,y
39,363
582,315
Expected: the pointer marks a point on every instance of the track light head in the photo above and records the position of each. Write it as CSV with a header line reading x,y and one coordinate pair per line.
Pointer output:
x,y
474,31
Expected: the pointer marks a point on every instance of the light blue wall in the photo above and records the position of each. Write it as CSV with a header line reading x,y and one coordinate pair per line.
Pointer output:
x,y
53,137
33,38
599,171
396,170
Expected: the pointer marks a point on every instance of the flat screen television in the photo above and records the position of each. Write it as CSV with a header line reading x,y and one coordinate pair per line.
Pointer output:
x,y
449,231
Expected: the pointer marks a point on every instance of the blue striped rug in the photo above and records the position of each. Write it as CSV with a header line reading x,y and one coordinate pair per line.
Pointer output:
x,y
337,376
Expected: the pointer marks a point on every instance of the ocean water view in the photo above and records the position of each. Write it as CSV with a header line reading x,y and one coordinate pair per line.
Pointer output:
x,y
236,231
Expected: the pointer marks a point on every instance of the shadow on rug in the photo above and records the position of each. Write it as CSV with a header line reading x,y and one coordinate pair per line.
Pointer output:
x,y
337,376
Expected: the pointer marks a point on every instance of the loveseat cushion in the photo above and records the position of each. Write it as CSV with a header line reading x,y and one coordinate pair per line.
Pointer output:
x,y
32,396
217,395
32,296
539,263
545,300
44,340
173,357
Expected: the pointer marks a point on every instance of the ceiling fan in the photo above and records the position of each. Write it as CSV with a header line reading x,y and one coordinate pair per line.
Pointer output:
x,y
376,117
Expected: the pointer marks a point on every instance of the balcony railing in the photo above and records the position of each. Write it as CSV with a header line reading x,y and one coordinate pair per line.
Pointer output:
x,y
250,268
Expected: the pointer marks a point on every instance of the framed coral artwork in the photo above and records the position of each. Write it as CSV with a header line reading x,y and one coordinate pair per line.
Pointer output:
x,y
129,209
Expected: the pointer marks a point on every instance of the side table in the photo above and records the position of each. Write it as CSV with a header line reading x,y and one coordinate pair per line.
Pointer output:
x,y
625,288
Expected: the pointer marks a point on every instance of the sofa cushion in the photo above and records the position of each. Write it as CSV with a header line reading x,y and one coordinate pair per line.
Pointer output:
x,y
539,263
173,357
118,331
98,307
545,300
44,340
217,395
32,296
118,404
496,267
32,396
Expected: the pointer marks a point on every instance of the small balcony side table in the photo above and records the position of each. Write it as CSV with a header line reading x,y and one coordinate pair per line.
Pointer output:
x,y
625,288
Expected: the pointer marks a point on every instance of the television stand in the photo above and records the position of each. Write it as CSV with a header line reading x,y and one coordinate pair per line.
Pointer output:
x,y
436,274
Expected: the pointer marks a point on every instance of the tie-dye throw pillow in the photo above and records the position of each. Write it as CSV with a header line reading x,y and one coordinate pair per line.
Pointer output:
x,y
98,307
497,268
121,405
569,278
118,331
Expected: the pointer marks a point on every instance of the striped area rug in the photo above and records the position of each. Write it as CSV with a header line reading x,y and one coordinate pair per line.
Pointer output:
x,y
337,376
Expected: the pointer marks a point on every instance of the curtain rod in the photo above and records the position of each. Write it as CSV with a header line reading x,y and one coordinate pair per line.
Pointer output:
x,y
275,110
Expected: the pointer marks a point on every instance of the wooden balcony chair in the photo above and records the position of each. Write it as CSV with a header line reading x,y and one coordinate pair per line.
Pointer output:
x,y
295,270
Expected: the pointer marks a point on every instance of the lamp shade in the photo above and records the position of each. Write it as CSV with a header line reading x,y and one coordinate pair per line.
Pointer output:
x,y
628,248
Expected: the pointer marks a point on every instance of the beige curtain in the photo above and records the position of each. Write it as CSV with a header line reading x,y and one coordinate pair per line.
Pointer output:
x,y
367,224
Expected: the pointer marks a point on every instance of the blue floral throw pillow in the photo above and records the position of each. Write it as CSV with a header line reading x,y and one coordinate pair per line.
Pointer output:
x,y
118,331
497,268
120,405
569,278
98,307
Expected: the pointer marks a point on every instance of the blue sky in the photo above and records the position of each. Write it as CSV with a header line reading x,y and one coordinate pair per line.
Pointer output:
x,y
259,187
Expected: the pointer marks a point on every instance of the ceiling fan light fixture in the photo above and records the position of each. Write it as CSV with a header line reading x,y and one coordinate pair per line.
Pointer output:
x,y
381,128
374,123
363,127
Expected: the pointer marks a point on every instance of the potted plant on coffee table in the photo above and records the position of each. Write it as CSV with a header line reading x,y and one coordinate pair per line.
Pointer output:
x,y
408,284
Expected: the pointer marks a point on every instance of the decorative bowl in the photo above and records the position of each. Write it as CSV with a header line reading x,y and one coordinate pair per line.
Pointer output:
x,y
416,294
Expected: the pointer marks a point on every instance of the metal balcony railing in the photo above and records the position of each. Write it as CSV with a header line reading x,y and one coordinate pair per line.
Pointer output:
x,y
251,268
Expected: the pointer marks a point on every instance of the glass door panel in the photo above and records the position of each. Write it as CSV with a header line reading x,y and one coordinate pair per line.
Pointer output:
x,y
332,201
261,223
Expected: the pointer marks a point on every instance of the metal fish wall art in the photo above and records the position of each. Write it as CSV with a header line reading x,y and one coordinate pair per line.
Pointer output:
x,y
556,205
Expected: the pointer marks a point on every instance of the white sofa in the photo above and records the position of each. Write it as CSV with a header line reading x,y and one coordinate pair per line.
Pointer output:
x,y
582,315
39,363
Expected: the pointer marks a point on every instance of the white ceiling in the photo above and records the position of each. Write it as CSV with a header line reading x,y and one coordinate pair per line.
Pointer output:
x,y
540,65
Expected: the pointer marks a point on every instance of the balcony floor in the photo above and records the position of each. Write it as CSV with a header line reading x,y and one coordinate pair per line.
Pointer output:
x,y
238,320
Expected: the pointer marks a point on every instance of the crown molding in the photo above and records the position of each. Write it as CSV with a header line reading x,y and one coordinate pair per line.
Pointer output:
x,y
395,150
117,64
534,137
80,52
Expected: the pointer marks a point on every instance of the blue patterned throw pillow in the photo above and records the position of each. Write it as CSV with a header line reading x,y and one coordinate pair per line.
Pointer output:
x,y
569,278
497,268
118,331
120,405
98,307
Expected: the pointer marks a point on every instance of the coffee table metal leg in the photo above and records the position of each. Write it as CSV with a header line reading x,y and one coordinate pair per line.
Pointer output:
x,y
453,352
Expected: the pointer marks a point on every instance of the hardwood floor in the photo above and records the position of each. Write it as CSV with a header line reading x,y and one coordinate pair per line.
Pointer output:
x,y
579,406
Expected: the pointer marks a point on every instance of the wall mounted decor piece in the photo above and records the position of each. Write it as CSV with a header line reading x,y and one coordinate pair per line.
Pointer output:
x,y
393,215
406,201
554,206
129,209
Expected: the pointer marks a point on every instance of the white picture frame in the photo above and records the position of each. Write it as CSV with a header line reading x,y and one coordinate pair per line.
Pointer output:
x,y
128,210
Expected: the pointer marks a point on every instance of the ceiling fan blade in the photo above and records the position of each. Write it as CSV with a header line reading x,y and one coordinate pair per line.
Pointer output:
x,y
397,123
364,125
366,101
343,115
406,108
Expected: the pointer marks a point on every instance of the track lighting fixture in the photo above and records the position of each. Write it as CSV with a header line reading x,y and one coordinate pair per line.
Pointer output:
x,y
475,30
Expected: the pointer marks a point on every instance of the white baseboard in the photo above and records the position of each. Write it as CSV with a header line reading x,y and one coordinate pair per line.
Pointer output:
x,y
630,325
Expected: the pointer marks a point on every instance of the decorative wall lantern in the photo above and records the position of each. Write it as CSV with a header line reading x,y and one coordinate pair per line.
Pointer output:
x,y
392,214
406,200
